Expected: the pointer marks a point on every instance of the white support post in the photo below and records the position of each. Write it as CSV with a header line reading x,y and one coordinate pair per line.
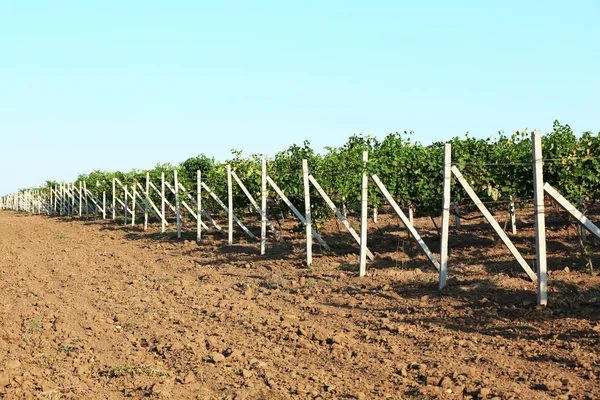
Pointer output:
x,y
162,205
147,201
133,198
338,214
513,218
364,217
457,214
114,199
177,209
540,219
199,205
229,207
87,205
445,215
125,206
410,214
307,212
62,199
486,213
375,213
263,206
407,223
104,205
72,191
256,206
96,205
295,210
571,209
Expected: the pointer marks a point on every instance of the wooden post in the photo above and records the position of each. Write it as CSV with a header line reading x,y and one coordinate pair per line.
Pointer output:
x,y
457,213
374,214
177,209
199,204
263,206
513,217
147,202
445,215
162,192
104,205
125,204
230,207
307,212
410,214
114,199
540,220
364,217
134,197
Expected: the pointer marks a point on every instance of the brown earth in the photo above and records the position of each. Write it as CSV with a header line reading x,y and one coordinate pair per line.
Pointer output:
x,y
95,310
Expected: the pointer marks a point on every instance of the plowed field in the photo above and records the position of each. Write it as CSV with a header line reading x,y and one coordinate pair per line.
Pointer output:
x,y
95,310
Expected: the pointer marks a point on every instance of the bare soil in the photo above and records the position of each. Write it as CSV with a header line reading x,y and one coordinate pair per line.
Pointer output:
x,y
96,310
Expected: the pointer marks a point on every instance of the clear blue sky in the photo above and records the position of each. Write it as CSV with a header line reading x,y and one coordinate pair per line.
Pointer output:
x,y
116,85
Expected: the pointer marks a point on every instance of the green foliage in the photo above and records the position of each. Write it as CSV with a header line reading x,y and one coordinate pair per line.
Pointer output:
x,y
498,169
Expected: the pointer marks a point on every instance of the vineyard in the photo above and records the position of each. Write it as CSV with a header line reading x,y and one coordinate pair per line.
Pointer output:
x,y
493,174
384,269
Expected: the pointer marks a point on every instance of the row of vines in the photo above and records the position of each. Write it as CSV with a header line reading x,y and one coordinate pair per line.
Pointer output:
x,y
498,168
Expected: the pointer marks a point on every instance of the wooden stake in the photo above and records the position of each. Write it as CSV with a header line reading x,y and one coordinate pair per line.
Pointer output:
x,y
229,207
364,217
307,212
263,206
177,210
445,215
104,205
540,220
410,214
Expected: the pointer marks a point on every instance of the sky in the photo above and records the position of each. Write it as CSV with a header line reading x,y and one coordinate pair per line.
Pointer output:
x,y
116,85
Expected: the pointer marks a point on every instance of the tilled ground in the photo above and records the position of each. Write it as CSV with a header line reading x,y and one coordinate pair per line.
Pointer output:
x,y
94,310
